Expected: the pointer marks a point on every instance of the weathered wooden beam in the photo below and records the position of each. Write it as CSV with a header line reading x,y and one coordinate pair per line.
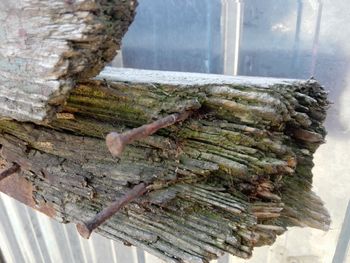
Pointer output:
x,y
46,46
230,169
232,176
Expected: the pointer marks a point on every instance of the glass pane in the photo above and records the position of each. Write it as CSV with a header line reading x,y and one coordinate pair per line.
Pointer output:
x,y
180,35
279,38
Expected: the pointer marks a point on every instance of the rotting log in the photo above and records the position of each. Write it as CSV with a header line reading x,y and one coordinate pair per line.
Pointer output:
x,y
232,176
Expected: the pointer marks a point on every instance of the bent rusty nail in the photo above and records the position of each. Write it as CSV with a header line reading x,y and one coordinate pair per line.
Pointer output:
x,y
13,169
85,228
116,142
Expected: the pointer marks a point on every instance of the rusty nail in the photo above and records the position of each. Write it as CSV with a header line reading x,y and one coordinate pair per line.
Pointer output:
x,y
116,142
85,228
13,169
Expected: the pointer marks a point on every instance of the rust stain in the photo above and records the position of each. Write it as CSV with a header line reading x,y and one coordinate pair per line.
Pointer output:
x,y
20,189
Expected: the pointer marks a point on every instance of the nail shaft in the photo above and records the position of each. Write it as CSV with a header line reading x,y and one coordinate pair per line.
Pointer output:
x,y
117,142
13,169
85,228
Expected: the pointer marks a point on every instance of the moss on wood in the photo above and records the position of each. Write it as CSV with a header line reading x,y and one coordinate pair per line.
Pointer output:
x,y
231,177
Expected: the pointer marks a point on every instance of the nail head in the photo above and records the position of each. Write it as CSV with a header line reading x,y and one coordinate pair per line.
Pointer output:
x,y
115,144
83,230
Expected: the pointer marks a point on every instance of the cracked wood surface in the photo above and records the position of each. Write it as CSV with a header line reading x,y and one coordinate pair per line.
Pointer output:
x,y
231,177
46,46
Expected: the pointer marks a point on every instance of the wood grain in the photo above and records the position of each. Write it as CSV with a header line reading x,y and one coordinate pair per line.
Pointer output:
x,y
233,176
46,46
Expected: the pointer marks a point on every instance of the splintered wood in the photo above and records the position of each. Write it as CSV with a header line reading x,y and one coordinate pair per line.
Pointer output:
x,y
201,165
233,175
45,46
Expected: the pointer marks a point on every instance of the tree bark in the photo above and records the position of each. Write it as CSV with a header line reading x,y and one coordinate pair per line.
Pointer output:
x,y
232,176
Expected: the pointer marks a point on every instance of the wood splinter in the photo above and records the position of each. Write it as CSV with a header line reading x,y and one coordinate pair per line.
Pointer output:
x,y
13,169
85,228
117,142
